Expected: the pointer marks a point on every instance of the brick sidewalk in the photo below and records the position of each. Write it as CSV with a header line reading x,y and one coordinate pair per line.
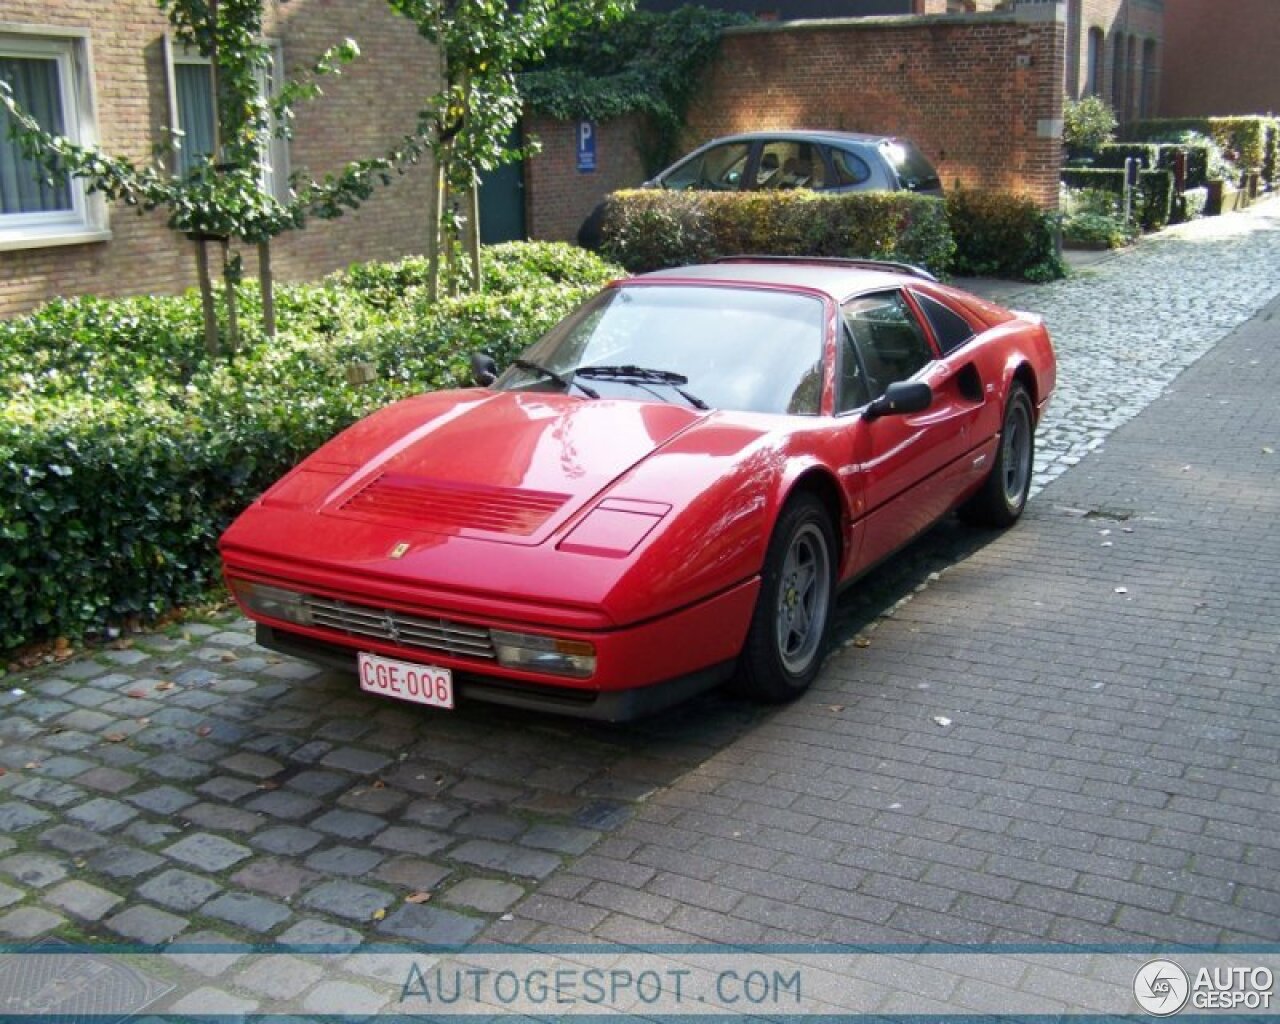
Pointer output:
x,y
1069,736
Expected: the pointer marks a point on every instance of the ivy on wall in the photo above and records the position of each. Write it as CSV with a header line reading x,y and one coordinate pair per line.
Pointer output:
x,y
646,64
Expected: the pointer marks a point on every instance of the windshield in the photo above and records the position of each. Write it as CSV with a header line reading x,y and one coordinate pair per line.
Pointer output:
x,y
733,348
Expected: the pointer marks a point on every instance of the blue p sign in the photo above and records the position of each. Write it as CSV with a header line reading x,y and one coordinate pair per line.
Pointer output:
x,y
586,147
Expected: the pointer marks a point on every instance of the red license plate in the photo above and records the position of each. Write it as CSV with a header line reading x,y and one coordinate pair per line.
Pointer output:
x,y
404,680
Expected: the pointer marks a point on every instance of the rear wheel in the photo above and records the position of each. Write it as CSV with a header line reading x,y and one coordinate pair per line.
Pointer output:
x,y
792,619
1004,492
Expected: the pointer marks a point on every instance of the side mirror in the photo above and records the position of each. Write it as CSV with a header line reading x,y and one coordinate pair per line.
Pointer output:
x,y
903,397
484,371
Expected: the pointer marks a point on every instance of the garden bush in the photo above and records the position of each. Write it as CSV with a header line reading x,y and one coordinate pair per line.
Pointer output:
x,y
1002,235
646,229
124,456
1152,198
1243,138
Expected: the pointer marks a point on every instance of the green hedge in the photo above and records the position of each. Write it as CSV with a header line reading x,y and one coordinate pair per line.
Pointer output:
x,y
128,453
645,229
1153,197
1003,235
1243,136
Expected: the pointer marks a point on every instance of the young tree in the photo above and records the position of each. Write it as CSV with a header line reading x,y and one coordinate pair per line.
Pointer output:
x,y
221,198
467,124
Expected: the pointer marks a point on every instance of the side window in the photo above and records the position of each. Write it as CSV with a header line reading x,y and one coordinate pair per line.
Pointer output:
x,y
853,391
790,165
719,168
848,168
949,327
890,341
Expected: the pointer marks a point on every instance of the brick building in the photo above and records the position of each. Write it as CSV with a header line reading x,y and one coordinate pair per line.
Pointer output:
x,y
1221,59
981,94
1114,50
110,72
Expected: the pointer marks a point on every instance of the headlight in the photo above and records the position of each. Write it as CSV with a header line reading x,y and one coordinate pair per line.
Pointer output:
x,y
549,654
272,602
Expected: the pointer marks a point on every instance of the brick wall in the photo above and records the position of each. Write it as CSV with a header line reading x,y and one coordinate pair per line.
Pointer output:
x,y
361,114
559,195
980,94
1221,60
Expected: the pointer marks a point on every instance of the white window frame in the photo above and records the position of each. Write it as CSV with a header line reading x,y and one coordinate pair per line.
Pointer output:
x,y
86,221
275,161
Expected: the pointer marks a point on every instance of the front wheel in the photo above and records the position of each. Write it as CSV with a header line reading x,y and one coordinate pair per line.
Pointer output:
x,y
792,619
1004,493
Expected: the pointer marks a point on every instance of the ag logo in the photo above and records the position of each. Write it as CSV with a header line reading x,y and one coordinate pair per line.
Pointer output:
x,y
1161,988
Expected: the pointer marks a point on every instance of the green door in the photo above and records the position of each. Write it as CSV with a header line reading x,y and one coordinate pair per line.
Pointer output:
x,y
502,201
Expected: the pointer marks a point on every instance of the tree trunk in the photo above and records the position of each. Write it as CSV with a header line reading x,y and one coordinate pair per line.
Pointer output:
x,y
230,278
267,286
435,229
473,234
207,306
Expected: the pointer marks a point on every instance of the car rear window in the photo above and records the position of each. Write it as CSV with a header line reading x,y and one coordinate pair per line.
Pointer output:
x,y
913,169
949,327
849,168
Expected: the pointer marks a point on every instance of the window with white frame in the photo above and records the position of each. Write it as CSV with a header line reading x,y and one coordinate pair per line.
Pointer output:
x,y
48,75
193,114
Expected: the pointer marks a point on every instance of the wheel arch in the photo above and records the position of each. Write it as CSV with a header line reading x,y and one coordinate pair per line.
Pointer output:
x,y
819,481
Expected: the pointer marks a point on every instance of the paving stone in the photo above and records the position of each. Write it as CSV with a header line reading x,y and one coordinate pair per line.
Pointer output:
x,y
253,913
484,894
161,799
88,697
278,878
200,958
213,1002
422,923
151,833
432,813
81,671
102,814
49,791
28,922
351,861
86,720
349,824
175,768
9,895
107,780
279,977
353,759
347,899
82,900
178,890
34,869
147,925
372,800
310,753
126,657
412,873
72,839
207,852
313,932
484,793
287,840
120,861
318,783
505,858
255,766
357,1000
560,838
71,741
221,818
227,789
490,826
282,803
18,817
275,745
419,841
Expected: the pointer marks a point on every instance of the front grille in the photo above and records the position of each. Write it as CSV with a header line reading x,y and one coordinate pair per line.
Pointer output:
x,y
442,636
439,504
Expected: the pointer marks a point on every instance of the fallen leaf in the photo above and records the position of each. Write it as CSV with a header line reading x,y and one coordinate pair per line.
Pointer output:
x,y
31,766
379,914
418,897
228,656
941,720
165,685
835,709
61,644
379,784
268,784
204,730
114,737
143,721
861,641
136,693
3,770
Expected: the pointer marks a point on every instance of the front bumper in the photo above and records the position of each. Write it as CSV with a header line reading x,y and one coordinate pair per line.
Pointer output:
x,y
640,669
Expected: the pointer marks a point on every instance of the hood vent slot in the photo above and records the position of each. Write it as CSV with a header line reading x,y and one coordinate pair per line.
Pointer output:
x,y
442,505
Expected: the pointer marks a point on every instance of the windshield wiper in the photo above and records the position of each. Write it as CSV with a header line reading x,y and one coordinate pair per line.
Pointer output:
x,y
642,375
559,378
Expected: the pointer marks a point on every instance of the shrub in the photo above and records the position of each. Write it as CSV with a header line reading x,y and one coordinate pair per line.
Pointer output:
x,y
123,468
1190,204
1003,235
647,229
1087,124
1242,139
1152,198
1093,217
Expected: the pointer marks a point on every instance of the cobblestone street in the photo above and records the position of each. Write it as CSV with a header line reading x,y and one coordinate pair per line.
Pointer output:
x,y
1067,734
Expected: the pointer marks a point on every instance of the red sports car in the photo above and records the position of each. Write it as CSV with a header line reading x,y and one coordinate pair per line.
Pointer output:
x,y
664,492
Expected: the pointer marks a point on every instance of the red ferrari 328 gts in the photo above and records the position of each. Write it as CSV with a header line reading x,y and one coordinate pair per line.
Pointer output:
x,y
664,492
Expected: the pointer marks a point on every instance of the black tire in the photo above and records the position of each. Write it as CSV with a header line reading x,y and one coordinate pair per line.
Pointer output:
x,y
1004,493
792,619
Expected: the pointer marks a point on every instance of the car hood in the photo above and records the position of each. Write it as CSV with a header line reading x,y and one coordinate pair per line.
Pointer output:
x,y
507,467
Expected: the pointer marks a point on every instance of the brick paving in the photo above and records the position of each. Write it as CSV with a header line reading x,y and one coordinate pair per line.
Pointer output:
x,y
1064,733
